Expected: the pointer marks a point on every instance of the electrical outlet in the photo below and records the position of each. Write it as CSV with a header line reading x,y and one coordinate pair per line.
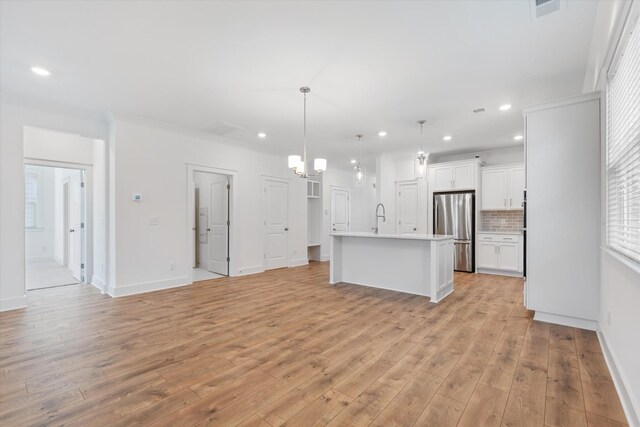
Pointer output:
x,y
172,266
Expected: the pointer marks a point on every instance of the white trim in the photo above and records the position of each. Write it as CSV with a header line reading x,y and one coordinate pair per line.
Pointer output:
x,y
561,102
144,287
97,286
574,322
626,261
14,303
247,271
621,383
298,262
234,254
324,258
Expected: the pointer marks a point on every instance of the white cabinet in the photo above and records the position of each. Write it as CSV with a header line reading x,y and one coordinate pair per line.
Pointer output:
x,y
454,176
500,252
502,187
516,187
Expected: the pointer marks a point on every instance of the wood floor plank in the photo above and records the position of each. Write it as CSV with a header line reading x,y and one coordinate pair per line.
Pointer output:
x,y
284,347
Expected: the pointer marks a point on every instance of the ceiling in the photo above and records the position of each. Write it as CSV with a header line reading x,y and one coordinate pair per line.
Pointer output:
x,y
371,66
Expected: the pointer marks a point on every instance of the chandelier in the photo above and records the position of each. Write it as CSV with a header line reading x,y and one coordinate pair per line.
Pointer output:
x,y
359,171
297,163
420,163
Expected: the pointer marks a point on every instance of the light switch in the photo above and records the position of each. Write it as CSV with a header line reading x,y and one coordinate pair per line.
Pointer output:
x,y
136,197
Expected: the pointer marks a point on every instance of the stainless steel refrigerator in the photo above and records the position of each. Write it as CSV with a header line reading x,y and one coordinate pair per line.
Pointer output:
x,y
454,214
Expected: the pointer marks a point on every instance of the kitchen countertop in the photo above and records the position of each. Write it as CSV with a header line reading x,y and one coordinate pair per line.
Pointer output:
x,y
396,236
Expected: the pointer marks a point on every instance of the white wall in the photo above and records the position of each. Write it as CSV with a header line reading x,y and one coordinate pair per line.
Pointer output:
x,y
40,242
203,183
14,117
619,316
501,156
153,161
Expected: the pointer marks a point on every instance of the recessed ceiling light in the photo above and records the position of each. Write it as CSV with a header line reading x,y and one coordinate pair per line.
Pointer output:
x,y
505,107
382,133
518,137
262,135
41,71
353,161
447,138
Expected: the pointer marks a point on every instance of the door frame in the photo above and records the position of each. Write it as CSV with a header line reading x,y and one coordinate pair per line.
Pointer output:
x,y
331,189
397,200
191,216
86,207
263,182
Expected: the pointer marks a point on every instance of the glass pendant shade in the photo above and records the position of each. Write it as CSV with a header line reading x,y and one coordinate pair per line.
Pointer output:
x,y
320,165
420,166
293,161
359,175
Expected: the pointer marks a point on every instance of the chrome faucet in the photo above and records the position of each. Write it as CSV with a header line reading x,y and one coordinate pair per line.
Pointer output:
x,y
378,216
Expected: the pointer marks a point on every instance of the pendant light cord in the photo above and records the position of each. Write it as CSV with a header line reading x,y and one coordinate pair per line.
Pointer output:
x,y
305,131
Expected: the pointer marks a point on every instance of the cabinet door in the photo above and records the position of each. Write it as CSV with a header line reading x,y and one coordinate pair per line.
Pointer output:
x,y
516,187
407,203
442,178
494,189
464,177
488,255
508,256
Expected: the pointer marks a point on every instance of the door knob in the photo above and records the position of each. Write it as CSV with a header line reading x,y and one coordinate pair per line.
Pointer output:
x,y
71,230
415,229
208,229
286,229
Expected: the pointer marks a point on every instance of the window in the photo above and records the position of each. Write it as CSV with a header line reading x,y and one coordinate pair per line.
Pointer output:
x,y
623,149
31,198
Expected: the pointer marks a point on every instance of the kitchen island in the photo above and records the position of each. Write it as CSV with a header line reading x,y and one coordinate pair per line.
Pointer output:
x,y
420,264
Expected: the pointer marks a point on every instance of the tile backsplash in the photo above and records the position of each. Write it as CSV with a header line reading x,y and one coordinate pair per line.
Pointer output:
x,y
501,220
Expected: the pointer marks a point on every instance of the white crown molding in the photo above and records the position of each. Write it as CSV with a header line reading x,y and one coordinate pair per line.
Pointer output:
x,y
586,97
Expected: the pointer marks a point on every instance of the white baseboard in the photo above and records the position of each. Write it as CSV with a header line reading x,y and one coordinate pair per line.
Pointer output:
x,y
14,303
140,288
325,257
246,271
574,322
98,282
298,262
630,404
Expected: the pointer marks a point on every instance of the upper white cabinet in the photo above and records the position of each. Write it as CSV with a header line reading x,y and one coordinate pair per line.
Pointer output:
x,y
454,176
502,187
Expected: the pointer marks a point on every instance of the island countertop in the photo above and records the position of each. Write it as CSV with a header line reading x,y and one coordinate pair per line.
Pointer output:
x,y
408,236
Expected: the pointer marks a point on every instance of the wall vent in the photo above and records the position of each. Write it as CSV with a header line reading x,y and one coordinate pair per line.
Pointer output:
x,y
540,8
221,128
479,110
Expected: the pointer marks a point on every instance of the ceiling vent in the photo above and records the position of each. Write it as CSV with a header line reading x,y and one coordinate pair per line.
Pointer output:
x,y
222,128
479,110
540,8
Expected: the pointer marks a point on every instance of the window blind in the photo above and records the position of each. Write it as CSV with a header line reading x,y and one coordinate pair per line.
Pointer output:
x,y
623,150
31,201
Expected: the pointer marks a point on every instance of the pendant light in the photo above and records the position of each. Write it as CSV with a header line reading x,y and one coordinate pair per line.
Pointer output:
x,y
297,163
359,171
420,163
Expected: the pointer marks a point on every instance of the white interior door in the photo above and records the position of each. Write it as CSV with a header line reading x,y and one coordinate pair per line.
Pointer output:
x,y
74,211
276,195
340,201
407,203
219,228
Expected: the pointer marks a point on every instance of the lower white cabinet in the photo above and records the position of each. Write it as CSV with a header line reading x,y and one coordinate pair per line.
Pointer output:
x,y
500,252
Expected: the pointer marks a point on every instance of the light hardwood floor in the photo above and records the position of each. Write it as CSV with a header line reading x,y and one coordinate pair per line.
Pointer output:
x,y
284,347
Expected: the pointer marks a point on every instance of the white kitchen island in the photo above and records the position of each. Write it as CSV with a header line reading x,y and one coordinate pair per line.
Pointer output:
x,y
420,264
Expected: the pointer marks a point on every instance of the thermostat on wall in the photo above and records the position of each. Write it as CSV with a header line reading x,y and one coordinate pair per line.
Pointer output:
x,y
136,197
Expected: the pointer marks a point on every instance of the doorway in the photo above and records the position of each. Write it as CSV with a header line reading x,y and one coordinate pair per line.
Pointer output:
x,y
340,210
211,207
55,218
276,223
